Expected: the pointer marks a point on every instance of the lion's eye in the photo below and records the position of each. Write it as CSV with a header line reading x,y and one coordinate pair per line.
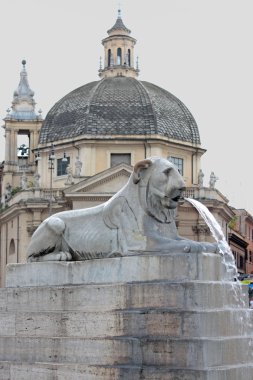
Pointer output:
x,y
167,171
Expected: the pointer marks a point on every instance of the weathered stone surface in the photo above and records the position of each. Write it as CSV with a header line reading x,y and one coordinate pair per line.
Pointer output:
x,y
223,373
172,353
7,323
10,371
48,371
160,325
196,353
94,325
172,295
74,350
136,323
156,267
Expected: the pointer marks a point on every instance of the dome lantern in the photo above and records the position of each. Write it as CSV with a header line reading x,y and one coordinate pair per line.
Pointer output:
x,y
118,52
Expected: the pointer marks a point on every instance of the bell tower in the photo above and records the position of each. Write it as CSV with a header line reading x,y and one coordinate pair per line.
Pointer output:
x,y
118,52
22,126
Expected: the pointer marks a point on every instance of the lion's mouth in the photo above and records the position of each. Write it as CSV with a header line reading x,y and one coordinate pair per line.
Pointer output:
x,y
178,198
170,202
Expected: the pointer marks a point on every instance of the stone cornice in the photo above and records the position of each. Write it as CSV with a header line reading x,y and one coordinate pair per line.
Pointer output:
x,y
98,198
91,182
107,179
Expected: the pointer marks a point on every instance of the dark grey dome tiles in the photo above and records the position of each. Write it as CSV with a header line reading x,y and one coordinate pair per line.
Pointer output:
x,y
68,117
119,106
173,118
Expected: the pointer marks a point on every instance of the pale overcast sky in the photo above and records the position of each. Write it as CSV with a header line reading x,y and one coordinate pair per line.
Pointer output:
x,y
199,50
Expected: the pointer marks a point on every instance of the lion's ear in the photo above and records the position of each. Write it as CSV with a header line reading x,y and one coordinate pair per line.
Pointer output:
x,y
138,167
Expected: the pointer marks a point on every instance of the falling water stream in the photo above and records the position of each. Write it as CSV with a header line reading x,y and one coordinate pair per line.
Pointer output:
x,y
216,231
231,273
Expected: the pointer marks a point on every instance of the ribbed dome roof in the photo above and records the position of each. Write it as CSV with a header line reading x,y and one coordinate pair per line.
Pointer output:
x,y
119,106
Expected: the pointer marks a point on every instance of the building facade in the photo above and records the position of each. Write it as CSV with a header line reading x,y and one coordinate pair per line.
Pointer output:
x,y
244,224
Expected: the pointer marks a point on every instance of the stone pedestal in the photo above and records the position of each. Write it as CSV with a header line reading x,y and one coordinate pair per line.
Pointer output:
x,y
152,317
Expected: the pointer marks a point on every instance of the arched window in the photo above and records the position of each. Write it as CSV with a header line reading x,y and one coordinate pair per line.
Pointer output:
x,y
129,57
12,247
119,57
109,57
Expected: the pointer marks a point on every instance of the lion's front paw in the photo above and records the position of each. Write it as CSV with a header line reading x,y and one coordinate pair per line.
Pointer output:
x,y
202,247
63,256
187,248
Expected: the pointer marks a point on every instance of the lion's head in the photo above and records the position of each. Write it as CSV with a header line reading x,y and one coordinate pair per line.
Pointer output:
x,y
160,187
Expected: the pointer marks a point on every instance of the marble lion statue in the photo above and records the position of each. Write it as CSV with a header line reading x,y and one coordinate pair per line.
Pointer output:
x,y
139,218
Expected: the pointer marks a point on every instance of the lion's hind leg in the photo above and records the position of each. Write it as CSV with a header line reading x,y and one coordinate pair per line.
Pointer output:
x,y
49,234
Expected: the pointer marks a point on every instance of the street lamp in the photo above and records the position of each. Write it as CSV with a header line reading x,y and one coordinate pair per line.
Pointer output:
x,y
51,166
51,158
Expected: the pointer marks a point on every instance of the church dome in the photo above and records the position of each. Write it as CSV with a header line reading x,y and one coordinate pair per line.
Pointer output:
x,y
119,106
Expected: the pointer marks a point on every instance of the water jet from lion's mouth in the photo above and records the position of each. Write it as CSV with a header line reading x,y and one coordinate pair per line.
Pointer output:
x,y
218,235
181,200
